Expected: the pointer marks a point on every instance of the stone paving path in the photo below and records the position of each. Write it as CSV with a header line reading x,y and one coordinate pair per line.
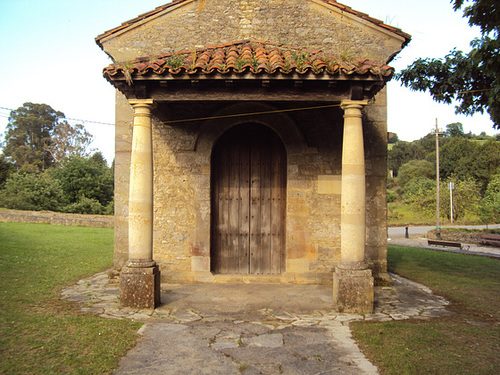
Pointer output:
x,y
250,329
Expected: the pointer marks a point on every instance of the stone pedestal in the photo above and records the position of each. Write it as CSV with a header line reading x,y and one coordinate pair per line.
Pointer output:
x,y
353,288
140,287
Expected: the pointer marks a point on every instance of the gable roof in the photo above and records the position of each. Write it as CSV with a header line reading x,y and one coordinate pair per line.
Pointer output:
x,y
257,58
174,3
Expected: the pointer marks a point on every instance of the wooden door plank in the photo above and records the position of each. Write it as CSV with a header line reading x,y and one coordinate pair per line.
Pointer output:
x,y
278,208
255,209
244,213
224,212
233,208
265,172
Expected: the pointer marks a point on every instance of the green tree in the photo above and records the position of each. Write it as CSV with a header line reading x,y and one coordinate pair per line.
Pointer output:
x,y
489,208
466,198
484,163
464,159
401,153
28,135
37,136
6,169
420,193
35,191
84,179
455,129
69,140
471,79
455,158
414,169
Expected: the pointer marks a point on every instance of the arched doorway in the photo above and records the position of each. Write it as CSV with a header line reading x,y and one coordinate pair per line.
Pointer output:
x,y
248,195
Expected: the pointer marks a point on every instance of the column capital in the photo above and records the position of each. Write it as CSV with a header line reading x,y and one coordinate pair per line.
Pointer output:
x,y
141,102
346,104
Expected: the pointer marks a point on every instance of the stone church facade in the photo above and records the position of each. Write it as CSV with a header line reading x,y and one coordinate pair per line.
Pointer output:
x,y
251,146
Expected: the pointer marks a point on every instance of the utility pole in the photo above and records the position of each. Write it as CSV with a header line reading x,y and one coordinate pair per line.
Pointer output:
x,y
438,225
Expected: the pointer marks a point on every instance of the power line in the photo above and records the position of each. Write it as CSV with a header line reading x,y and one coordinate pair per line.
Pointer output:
x,y
65,118
249,114
235,115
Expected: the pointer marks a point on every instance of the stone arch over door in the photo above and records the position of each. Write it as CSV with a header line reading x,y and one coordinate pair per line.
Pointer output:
x,y
248,200
254,112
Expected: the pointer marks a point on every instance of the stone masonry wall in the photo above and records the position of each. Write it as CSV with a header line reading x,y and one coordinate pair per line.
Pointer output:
x,y
56,218
310,24
182,192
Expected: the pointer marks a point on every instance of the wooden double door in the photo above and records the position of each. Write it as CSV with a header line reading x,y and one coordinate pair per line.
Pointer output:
x,y
248,202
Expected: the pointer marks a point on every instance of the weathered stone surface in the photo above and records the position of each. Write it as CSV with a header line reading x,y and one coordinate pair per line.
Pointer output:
x,y
353,290
140,287
56,218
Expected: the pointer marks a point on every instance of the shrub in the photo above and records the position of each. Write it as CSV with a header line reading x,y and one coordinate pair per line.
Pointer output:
x,y
85,206
489,208
32,191
391,196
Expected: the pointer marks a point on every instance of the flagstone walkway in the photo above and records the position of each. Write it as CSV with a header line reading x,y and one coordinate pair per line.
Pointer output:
x,y
250,329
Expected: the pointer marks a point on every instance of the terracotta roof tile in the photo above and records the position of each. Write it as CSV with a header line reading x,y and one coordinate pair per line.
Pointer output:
x,y
247,57
332,3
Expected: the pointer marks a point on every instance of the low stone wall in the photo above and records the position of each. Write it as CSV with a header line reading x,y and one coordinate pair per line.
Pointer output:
x,y
464,237
56,218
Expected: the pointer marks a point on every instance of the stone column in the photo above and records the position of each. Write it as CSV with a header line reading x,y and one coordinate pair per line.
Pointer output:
x,y
352,280
140,278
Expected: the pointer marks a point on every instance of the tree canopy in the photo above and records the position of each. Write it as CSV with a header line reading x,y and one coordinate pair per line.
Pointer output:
x,y
471,162
46,165
38,136
471,79
28,135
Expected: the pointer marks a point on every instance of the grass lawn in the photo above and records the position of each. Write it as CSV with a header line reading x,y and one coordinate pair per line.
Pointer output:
x,y
39,332
467,342
400,214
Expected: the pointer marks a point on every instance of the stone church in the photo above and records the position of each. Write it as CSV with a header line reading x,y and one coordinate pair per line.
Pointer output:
x,y
251,146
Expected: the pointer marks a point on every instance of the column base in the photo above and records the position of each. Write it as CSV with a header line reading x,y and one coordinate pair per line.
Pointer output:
x,y
383,279
353,288
140,287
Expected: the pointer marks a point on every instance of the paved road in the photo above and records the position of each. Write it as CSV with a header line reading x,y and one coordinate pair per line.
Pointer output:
x,y
419,231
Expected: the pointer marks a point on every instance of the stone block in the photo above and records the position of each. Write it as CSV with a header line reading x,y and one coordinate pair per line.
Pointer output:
x,y
329,184
199,263
353,290
140,287
297,265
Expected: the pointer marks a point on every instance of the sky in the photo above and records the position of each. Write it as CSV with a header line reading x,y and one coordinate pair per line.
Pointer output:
x,y
48,55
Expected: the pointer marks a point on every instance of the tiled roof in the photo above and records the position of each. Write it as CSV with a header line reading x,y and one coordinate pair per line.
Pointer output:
x,y
332,3
255,57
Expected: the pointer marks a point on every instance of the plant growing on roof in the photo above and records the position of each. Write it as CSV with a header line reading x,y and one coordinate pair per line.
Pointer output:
x,y
194,56
346,55
255,63
301,57
330,62
240,63
175,61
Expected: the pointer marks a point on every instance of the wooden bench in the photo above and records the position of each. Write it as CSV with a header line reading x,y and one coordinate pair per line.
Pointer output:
x,y
490,239
445,243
